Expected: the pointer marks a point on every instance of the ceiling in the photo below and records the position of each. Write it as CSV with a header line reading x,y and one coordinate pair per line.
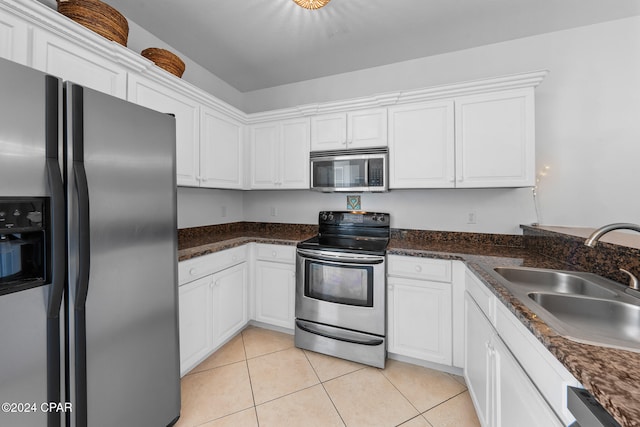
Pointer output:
x,y
256,44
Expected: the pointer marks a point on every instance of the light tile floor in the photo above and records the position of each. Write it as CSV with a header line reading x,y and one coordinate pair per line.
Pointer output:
x,y
260,379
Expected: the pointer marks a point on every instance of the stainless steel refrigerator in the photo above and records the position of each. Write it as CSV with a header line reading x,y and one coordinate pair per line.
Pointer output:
x,y
88,266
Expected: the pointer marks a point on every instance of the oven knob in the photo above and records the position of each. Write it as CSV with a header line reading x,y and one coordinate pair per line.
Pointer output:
x,y
374,218
382,218
17,213
330,217
324,216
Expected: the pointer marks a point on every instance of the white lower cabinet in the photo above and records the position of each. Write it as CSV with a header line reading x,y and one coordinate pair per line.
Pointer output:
x,y
275,285
501,388
213,306
196,336
229,301
419,319
419,308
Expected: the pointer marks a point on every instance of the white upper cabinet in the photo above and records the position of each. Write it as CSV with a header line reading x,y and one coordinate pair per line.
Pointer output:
x,y
153,95
280,155
485,140
354,129
220,150
495,139
69,61
14,38
421,145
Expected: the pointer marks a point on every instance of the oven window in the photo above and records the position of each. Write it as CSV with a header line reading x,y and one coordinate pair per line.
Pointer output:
x,y
352,285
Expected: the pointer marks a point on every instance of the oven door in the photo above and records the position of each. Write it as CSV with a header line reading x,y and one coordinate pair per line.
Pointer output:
x,y
341,289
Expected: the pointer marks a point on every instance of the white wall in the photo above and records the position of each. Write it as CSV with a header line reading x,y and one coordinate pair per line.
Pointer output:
x,y
588,131
203,206
495,210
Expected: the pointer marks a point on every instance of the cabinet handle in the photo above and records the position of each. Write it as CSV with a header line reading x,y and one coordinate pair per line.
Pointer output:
x,y
234,258
193,271
211,285
418,269
274,254
390,287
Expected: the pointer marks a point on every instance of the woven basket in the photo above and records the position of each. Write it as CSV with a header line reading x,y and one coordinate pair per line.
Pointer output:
x,y
97,16
164,59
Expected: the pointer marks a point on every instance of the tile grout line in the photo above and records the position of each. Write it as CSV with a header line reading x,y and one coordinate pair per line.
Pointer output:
x,y
246,362
401,394
445,401
324,389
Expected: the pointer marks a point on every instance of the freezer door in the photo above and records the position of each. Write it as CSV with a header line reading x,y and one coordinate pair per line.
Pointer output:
x,y
123,262
30,349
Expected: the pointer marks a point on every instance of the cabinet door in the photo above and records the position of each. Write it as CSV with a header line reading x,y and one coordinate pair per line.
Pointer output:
x,y
367,128
275,293
478,370
220,150
495,140
195,322
14,38
69,61
419,319
264,155
518,402
329,132
230,302
421,146
294,152
186,111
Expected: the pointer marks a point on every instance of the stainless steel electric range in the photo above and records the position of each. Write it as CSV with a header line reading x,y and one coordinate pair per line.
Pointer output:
x,y
341,287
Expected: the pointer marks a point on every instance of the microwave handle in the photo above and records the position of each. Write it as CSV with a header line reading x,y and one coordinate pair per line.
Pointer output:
x,y
366,172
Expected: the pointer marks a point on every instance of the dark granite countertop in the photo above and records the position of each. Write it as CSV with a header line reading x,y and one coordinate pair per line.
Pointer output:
x,y
611,375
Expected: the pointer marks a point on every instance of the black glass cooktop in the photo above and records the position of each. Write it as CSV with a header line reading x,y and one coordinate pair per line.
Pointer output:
x,y
350,231
353,244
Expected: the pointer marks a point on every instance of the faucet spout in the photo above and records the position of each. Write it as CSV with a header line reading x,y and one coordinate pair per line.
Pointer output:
x,y
596,235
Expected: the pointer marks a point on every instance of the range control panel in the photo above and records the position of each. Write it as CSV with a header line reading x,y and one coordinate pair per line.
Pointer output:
x,y
353,218
21,214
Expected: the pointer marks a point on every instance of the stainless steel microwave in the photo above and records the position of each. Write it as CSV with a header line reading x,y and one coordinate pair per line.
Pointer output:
x,y
350,170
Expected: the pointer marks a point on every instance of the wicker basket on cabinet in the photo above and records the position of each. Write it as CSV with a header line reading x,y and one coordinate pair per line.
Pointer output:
x,y
97,16
164,59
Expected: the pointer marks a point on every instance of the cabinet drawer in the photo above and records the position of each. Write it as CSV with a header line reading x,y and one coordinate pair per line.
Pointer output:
x,y
208,264
276,253
481,295
419,268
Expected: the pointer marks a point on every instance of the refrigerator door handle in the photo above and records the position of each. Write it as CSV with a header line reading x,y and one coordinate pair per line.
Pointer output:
x,y
53,114
57,206
82,189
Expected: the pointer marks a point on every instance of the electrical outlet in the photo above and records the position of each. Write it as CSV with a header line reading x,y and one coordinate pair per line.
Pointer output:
x,y
274,211
471,217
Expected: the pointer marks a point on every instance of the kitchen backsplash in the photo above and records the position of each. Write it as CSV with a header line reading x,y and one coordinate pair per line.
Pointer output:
x,y
604,259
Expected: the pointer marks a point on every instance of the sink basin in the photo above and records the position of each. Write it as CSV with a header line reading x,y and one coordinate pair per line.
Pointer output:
x,y
583,307
554,281
610,319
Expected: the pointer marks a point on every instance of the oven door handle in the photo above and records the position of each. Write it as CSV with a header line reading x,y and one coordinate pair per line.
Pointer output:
x,y
346,259
342,337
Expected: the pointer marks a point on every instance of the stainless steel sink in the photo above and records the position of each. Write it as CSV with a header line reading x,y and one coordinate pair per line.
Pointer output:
x,y
554,281
583,307
606,318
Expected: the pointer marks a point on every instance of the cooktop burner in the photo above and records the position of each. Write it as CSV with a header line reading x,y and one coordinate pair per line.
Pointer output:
x,y
348,231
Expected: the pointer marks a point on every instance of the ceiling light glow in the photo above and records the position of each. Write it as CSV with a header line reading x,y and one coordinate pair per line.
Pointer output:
x,y
312,4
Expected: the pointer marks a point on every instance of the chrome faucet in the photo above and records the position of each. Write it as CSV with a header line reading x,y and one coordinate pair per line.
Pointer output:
x,y
634,284
596,235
